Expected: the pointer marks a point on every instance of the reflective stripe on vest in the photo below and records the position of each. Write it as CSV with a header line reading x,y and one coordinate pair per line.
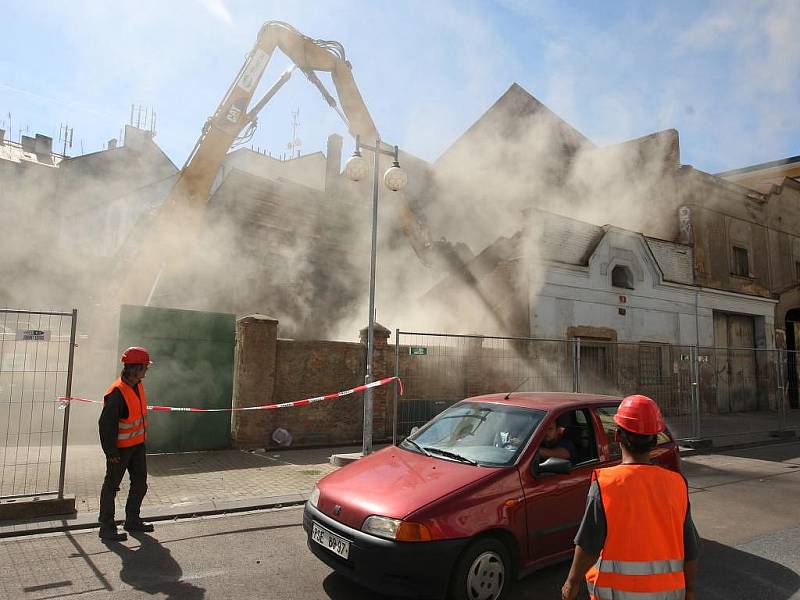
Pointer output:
x,y
639,567
609,594
132,434
130,425
643,553
132,430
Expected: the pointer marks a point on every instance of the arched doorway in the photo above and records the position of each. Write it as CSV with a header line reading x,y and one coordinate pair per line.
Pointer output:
x,y
792,340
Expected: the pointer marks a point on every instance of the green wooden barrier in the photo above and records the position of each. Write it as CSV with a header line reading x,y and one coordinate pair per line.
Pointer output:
x,y
193,356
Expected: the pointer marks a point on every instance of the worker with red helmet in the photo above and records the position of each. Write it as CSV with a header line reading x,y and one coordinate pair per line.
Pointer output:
x,y
637,538
123,430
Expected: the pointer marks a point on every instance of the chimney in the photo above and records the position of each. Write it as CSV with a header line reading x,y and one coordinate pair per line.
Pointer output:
x,y
112,143
28,144
43,147
333,162
136,138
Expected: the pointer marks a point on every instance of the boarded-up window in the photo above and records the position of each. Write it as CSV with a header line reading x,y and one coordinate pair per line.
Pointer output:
x,y
741,264
596,366
651,361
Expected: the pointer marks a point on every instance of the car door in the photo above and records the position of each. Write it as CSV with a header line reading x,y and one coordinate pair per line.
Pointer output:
x,y
554,503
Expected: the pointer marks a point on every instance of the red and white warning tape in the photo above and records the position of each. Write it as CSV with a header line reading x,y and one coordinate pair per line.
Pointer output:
x,y
64,400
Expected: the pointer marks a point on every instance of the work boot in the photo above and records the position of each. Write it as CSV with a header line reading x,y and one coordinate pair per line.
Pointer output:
x,y
112,535
138,526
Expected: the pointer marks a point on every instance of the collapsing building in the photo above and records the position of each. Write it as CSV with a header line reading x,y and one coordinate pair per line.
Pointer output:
x,y
691,259
555,231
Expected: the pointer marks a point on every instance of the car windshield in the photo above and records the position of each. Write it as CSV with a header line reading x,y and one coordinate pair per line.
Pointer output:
x,y
477,433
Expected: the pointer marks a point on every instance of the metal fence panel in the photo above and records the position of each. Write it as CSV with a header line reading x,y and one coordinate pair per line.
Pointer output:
x,y
739,392
661,371
703,392
788,371
36,352
438,370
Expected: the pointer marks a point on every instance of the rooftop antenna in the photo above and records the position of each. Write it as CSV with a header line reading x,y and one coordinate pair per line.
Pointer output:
x,y
144,118
294,145
65,134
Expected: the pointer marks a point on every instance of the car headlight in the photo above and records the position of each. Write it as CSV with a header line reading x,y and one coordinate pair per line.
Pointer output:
x,y
313,499
396,529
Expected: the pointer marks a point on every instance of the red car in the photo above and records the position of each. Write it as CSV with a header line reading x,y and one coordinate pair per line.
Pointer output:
x,y
465,505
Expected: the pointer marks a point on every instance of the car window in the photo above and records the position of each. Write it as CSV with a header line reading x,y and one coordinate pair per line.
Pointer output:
x,y
577,434
487,433
606,415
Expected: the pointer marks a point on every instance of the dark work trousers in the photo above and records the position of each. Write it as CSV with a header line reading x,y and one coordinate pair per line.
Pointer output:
x,y
133,460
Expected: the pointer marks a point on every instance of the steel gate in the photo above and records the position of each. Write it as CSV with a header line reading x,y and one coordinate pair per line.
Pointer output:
x,y
36,359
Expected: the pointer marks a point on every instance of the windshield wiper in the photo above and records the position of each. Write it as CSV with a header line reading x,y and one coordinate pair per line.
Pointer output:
x,y
449,454
417,446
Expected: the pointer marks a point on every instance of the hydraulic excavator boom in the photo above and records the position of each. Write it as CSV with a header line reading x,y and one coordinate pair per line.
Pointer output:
x,y
176,224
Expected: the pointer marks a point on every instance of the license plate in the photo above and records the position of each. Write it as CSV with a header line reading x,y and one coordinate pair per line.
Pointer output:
x,y
327,539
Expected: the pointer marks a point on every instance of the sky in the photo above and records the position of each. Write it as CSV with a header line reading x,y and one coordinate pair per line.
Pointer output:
x,y
724,74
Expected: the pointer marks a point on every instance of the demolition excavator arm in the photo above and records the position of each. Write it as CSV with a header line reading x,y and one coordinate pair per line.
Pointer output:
x,y
233,124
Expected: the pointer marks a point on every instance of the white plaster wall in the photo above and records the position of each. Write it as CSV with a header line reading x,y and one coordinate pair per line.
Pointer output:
x,y
655,311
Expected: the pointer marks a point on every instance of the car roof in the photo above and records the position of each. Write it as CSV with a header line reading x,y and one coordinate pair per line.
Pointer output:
x,y
546,400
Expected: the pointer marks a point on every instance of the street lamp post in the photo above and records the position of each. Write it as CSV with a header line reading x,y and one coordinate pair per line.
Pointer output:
x,y
395,179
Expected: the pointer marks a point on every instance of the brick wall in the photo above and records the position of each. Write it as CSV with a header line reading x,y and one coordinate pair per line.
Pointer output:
x,y
271,370
312,368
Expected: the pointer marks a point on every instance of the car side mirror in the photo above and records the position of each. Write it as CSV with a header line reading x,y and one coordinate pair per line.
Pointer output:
x,y
558,466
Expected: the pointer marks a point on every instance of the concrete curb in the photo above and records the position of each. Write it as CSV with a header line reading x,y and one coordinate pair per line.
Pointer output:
x,y
154,514
340,460
685,451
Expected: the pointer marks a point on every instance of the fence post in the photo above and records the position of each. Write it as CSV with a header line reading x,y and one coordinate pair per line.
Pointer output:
x,y
396,384
781,391
695,359
68,394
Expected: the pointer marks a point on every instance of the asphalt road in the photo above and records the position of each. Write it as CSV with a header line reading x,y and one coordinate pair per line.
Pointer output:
x,y
745,505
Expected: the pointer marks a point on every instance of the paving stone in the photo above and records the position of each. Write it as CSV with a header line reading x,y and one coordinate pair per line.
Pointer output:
x,y
197,477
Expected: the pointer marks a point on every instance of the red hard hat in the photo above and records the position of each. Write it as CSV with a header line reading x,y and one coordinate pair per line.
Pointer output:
x,y
639,414
136,355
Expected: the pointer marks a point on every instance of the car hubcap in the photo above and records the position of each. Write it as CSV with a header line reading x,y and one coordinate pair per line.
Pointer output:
x,y
486,576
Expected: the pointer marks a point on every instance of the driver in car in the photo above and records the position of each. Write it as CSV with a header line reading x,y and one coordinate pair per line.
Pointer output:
x,y
554,446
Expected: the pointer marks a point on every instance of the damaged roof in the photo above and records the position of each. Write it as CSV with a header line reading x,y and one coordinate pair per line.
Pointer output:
x,y
560,239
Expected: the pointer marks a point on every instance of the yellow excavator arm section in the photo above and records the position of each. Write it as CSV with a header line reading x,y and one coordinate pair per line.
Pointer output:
x,y
166,236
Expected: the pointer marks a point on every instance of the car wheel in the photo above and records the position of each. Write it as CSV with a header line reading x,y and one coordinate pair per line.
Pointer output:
x,y
483,572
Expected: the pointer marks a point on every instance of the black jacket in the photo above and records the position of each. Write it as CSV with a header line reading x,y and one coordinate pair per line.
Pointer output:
x,y
114,409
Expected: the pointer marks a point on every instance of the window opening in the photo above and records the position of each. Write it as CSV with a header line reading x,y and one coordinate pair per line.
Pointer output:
x,y
741,263
622,277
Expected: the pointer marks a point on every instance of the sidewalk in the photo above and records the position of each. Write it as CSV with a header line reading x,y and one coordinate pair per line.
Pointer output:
x,y
215,482
191,483
733,429
180,479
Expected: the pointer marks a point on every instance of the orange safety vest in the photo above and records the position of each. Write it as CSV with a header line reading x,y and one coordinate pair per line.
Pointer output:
x,y
133,429
643,555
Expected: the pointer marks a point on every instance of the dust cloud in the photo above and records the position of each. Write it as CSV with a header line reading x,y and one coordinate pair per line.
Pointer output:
x,y
308,266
